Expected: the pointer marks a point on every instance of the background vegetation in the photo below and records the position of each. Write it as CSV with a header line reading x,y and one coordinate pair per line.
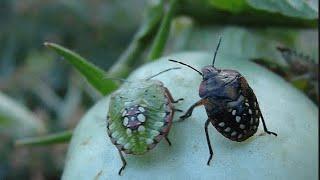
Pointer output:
x,y
42,94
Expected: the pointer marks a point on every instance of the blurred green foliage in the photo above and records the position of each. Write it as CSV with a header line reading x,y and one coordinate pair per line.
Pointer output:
x,y
47,86
108,34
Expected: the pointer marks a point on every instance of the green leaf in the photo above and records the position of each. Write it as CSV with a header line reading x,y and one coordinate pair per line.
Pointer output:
x,y
292,8
163,33
130,58
257,13
249,43
16,120
94,75
230,5
56,138
152,19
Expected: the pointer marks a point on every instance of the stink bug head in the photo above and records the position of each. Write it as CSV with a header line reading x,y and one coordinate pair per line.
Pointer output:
x,y
209,72
219,83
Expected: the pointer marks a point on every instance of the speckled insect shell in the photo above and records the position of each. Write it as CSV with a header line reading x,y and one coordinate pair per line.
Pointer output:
x,y
230,104
140,115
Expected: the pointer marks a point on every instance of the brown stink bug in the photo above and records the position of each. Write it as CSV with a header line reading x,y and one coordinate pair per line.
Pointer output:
x,y
140,115
230,103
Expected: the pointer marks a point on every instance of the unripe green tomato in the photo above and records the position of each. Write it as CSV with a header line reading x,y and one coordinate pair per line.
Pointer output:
x,y
293,154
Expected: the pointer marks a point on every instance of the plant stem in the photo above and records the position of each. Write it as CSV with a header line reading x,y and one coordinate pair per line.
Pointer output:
x,y
163,33
126,61
130,57
61,137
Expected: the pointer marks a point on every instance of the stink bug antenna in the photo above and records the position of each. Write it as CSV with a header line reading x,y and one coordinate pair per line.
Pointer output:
x,y
215,53
162,72
186,65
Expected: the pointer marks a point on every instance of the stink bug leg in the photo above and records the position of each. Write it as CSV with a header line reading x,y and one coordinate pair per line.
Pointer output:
x,y
190,110
167,139
124,163
208,141
248,92
265,127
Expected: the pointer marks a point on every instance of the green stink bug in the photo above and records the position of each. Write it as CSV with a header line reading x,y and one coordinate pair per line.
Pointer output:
x,y
140,115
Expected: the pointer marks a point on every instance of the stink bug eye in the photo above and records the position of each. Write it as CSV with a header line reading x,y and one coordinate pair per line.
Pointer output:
x,y
140,115
230,103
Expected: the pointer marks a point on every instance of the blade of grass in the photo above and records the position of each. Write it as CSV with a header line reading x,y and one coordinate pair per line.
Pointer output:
x,y
61,137
130,57
163,33
94,75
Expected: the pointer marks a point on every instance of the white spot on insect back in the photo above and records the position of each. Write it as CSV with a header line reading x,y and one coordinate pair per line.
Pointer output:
x,y
242,126
129,132
251,121
238,118
247,104
112,126
141,118
250,112
154,132
257,119
158,124
149,141
233,133
124,113
125,121
115,134
121,141
141,109
127,146
163,115
254,127
239,136
234,112
228,129
221,124
141,128
257,112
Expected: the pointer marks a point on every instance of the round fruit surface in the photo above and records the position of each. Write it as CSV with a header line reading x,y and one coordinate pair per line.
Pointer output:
x,y
293,154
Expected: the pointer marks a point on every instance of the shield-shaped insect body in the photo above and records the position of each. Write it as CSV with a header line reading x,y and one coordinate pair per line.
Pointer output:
x,y
230,104
140,115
